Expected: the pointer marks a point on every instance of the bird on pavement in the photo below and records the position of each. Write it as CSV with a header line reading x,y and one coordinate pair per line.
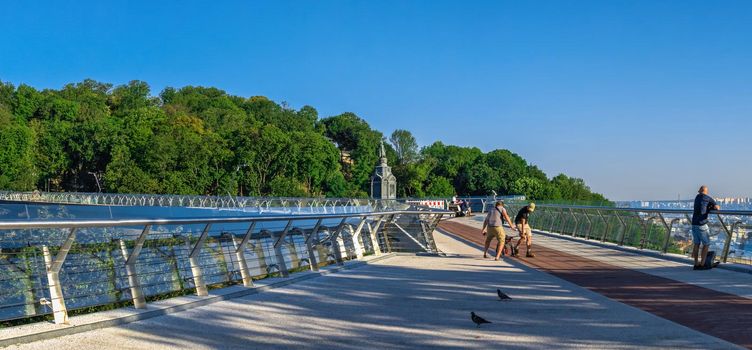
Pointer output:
x,y
502,296
477,319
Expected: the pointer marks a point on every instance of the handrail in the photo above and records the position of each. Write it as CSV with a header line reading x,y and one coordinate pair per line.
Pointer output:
x,y
71,223
663,230
645,210
169,200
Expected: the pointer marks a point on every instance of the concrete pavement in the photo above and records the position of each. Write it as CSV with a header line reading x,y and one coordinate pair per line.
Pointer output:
x,y
406,302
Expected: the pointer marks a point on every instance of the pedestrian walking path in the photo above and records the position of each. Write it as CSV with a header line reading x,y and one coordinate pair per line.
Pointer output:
x,y
715,302
407,302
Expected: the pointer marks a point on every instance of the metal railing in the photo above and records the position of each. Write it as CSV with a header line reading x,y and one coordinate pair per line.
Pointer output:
x,y
50,267
163,200
477,203
663,230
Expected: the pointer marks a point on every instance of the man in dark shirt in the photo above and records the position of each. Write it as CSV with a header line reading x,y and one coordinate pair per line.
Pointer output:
x,y
700,229
526,234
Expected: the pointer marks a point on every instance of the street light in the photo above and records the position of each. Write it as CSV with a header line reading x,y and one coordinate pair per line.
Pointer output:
x,y
240,186
96,178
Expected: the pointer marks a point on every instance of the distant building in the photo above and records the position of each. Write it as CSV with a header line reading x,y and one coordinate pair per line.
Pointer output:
x,y
383,182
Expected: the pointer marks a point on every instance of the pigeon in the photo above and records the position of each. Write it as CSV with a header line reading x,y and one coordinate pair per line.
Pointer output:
x,y
502,296
477,319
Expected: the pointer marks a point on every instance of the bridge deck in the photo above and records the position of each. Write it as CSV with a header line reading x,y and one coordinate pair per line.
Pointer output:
x,y
408,302
715,302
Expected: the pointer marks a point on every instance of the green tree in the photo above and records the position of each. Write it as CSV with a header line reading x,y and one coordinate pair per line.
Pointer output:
x,y
354,137
439,186
202,140
17,169
405,146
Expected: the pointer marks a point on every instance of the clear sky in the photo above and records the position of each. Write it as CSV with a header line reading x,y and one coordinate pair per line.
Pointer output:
x,y
642,99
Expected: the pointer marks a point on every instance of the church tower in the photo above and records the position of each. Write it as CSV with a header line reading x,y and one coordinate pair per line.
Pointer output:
x,y
383,182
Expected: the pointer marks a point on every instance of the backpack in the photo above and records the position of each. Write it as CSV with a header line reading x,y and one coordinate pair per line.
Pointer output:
x,y
709,259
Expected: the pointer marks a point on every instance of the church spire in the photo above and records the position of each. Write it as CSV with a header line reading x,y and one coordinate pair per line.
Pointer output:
x,y
383,182
382,153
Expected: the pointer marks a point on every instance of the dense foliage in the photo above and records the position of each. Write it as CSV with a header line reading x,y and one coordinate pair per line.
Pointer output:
x,y
91,136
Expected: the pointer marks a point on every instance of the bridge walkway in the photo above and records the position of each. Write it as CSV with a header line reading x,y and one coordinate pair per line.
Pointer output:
x,y
716,302
407,302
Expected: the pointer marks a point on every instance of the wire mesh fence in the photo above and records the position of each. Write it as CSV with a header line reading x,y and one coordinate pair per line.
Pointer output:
x,y
663,230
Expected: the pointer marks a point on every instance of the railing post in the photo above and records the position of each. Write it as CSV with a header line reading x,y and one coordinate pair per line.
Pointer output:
x,y
590,224
240,255
374,233
356,238
335,243
576,222
668,227
553,221
137,294
727,244
53,266
562,222
198,276
281,263
312,260
431,242
644,230
624,231
608,225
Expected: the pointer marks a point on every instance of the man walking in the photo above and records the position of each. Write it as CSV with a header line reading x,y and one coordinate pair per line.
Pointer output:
x,y
494,221
700,230
523,227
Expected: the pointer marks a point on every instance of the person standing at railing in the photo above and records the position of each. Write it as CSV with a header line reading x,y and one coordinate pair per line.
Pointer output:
x,y
700,229
495,221
526,234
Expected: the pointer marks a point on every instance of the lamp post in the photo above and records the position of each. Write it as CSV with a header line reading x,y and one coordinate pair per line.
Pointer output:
x,y
240,185
96,178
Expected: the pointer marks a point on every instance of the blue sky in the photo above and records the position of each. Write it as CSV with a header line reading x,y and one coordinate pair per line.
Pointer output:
x,y
642,99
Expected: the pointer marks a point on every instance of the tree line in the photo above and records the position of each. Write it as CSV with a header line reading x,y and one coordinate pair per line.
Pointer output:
x,y
92,136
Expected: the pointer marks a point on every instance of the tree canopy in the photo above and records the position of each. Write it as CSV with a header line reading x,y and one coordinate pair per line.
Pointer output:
x,y
92,136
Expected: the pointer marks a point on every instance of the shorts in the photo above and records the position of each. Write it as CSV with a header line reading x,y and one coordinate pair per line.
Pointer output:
x,y
524,231
701,234
495,232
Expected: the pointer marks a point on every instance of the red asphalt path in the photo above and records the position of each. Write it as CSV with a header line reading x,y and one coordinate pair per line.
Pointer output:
x,y
722,315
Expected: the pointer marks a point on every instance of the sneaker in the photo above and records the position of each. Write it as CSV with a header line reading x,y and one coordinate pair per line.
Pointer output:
x,y
715,264
696,267
530,255
515,251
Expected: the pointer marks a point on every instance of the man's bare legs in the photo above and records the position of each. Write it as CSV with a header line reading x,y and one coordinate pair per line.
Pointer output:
x,y
702,257
488,245
695,250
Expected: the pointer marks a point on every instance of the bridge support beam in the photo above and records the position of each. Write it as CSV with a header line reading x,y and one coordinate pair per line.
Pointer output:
x,y
245,275
137,294
53,265
334,239
374,233
356,239
309,241
281,263
198,276
240,255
